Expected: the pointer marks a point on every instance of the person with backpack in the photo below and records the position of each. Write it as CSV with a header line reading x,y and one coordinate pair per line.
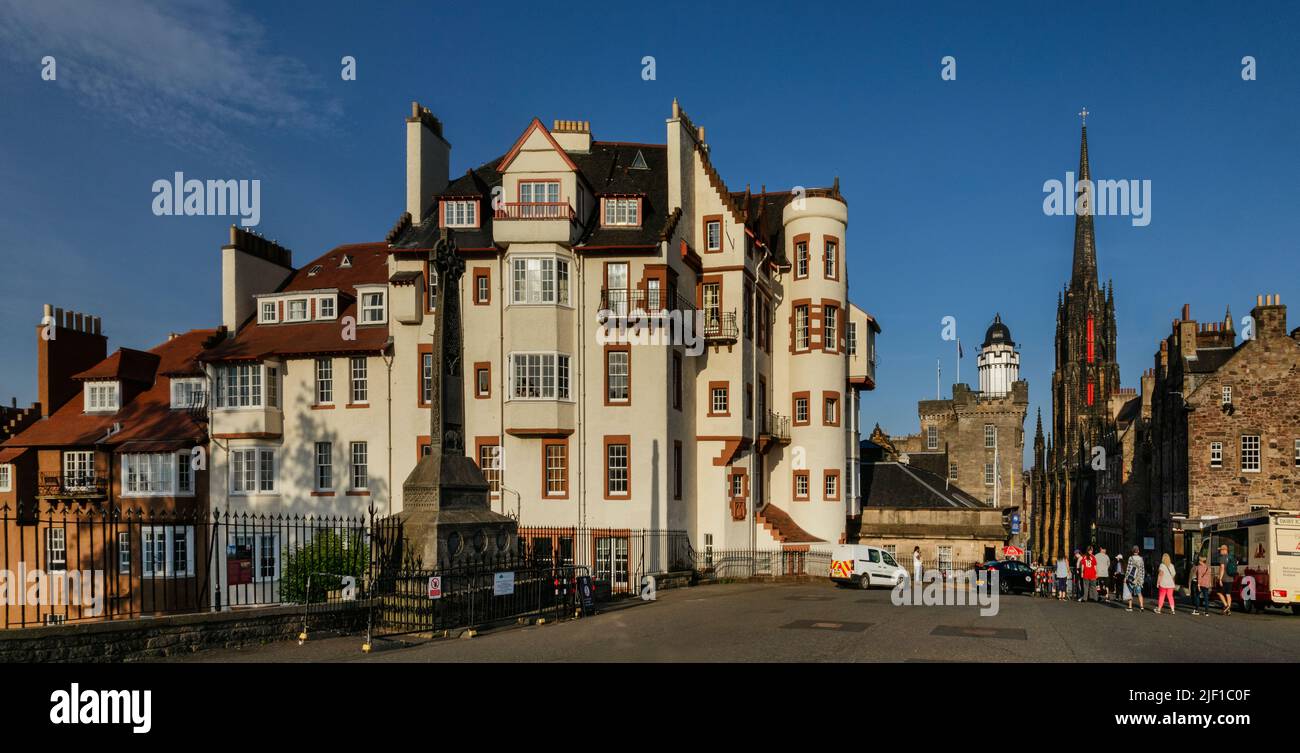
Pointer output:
x,y
1227,573
1134,578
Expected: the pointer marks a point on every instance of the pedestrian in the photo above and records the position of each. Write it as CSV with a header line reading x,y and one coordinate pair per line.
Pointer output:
x,y
1103,575
1062,576
916,563
1134,577
1088,569
1226,574
1165,581
1077,575
1204,581
1117,578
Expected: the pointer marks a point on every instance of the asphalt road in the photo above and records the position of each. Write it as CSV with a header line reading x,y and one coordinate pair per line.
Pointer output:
x,y
818,622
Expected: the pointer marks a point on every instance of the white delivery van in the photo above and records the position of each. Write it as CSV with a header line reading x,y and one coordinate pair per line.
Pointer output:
x,y
865,566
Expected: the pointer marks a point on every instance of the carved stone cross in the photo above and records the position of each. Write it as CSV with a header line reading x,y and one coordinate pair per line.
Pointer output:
x,y
447,412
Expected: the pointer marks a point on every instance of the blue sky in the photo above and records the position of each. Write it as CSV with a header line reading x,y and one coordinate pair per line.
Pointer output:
x,y
944,178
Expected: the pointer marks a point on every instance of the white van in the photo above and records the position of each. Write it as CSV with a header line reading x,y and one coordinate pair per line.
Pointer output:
x,y
865,566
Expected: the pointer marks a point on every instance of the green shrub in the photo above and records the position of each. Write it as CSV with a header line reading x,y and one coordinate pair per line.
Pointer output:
x,y
324,559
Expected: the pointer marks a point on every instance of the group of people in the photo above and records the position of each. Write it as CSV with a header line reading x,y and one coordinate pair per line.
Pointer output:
x,y
1094,576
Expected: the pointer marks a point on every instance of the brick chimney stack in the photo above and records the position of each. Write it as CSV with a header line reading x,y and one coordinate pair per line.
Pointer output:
x,y
67,344
1270,317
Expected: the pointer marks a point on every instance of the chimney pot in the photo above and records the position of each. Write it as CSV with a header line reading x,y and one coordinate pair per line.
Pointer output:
x,y
1187,311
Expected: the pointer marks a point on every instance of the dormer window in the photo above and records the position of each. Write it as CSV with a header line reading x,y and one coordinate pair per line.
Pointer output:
x,y
189,392
296,310
325,308
460,213
102,397
269,313
622,212
373,305
345,262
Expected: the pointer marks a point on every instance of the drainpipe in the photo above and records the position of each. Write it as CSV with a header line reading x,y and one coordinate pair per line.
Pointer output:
x,y
502,270
581,267
389,356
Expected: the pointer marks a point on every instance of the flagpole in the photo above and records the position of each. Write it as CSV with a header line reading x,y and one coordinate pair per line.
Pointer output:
x,y
959,360
937,371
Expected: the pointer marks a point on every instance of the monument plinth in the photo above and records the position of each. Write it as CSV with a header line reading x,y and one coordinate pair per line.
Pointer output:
x,y
447,518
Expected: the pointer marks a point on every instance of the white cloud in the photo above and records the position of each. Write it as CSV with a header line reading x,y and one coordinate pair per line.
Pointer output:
x,y
193,72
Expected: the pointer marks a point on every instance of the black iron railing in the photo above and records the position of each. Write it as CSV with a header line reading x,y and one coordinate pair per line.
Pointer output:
x,y
720,326
776,426
71,485
624,301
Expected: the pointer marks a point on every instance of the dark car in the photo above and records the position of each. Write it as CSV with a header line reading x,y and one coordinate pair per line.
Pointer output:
x,y
1014,576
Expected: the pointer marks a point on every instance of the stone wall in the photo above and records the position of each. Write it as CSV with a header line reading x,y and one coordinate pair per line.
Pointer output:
x,y
961,422
1264,376
155,638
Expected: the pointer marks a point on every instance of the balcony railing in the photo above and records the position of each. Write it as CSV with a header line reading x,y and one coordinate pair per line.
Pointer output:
x,y
776,426
535,210
65,486
622,301
720,326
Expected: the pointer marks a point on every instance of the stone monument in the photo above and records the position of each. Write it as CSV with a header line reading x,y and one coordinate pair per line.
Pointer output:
x,y
447,519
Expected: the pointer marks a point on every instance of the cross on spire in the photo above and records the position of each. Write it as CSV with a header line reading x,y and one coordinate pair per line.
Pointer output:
x,y
1084,114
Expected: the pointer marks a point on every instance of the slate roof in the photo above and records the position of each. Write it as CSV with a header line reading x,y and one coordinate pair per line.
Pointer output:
x,y
146,417
478,182
256,341
1208,360
893,484
607,170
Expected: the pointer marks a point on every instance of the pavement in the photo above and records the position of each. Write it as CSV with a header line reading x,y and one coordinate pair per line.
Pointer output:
x,y
818,622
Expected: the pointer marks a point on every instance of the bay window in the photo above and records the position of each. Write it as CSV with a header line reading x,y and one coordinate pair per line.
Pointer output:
x,y
157,474
240,386
539,376
539,280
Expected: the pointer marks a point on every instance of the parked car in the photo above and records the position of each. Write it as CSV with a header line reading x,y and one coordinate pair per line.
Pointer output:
x,y
1014,576
864,566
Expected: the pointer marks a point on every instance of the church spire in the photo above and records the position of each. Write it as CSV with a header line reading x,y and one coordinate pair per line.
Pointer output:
x,y
1085,247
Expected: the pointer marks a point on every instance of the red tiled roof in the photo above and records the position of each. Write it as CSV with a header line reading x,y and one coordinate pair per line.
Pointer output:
x,y
125,363
783,527
146,417
10,454
256,341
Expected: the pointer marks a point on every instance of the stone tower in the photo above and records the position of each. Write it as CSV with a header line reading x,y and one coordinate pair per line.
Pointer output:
x,y
1086,375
